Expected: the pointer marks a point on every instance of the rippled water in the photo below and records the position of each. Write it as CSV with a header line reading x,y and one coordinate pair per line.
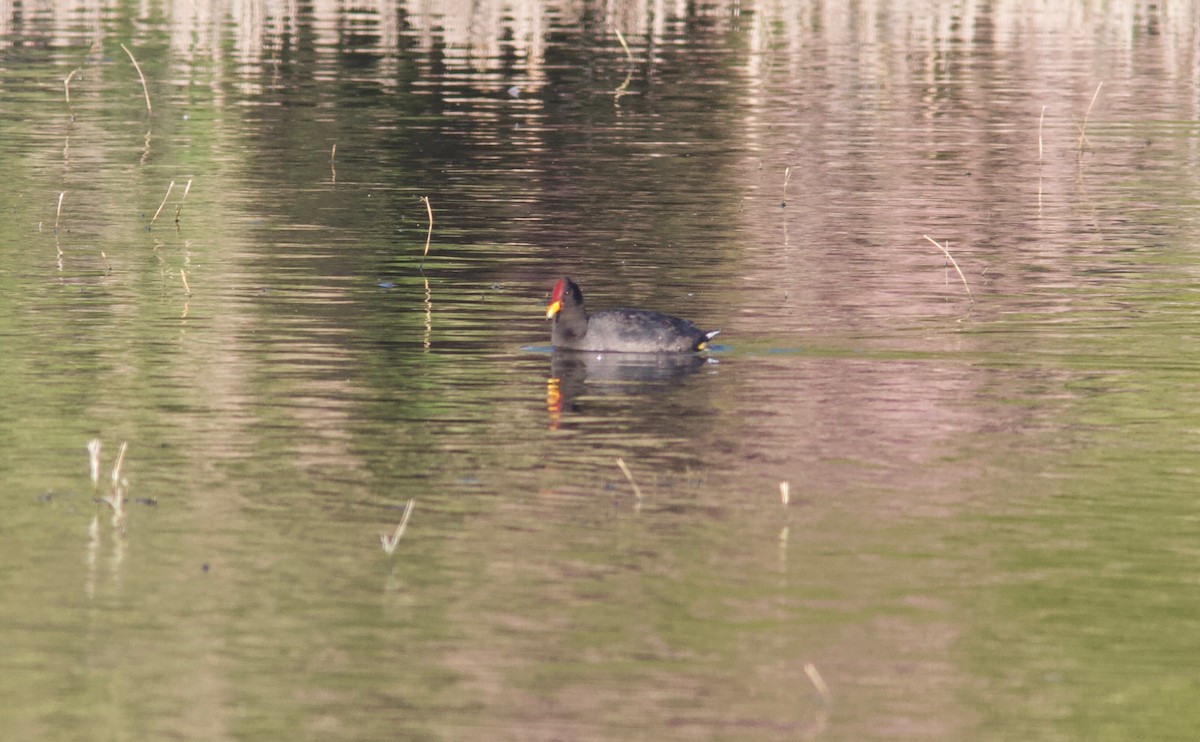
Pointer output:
x,y
990,531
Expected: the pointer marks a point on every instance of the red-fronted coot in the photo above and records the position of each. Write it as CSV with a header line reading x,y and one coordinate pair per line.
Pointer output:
x,y
618,330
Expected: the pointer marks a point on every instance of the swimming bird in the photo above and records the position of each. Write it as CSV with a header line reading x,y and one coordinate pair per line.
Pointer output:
x,y
618,330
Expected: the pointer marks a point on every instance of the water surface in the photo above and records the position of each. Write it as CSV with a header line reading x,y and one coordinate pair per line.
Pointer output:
x,y
991,528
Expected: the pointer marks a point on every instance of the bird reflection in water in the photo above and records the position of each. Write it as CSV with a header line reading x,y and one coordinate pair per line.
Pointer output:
x,y
576,373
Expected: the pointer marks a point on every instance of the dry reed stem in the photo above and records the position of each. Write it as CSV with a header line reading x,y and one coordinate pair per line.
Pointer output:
x,y
107,265
93,448
58,211
164,203
67,83
183,276
621,38
1083,140
954,263
1041,120
624,86
138,67
116,495
785,492
116,470
637,491
390,540
818,682
186,190
333,152
429,235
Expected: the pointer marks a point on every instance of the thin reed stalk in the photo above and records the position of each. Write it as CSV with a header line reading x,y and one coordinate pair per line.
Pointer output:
x,y
67,83
954,263
391,540
93,448
624,86
1083,140
818,682
116,470
186,190
164,203
429,235
625,46
637,491
138,67
1041,120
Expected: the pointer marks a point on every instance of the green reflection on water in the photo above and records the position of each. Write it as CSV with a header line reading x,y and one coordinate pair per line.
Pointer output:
x,y
1093,600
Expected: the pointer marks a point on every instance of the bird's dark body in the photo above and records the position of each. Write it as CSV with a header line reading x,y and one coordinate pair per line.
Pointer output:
x,y
631,331
619,330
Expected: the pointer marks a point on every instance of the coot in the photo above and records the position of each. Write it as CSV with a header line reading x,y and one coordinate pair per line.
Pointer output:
x,y
618,330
